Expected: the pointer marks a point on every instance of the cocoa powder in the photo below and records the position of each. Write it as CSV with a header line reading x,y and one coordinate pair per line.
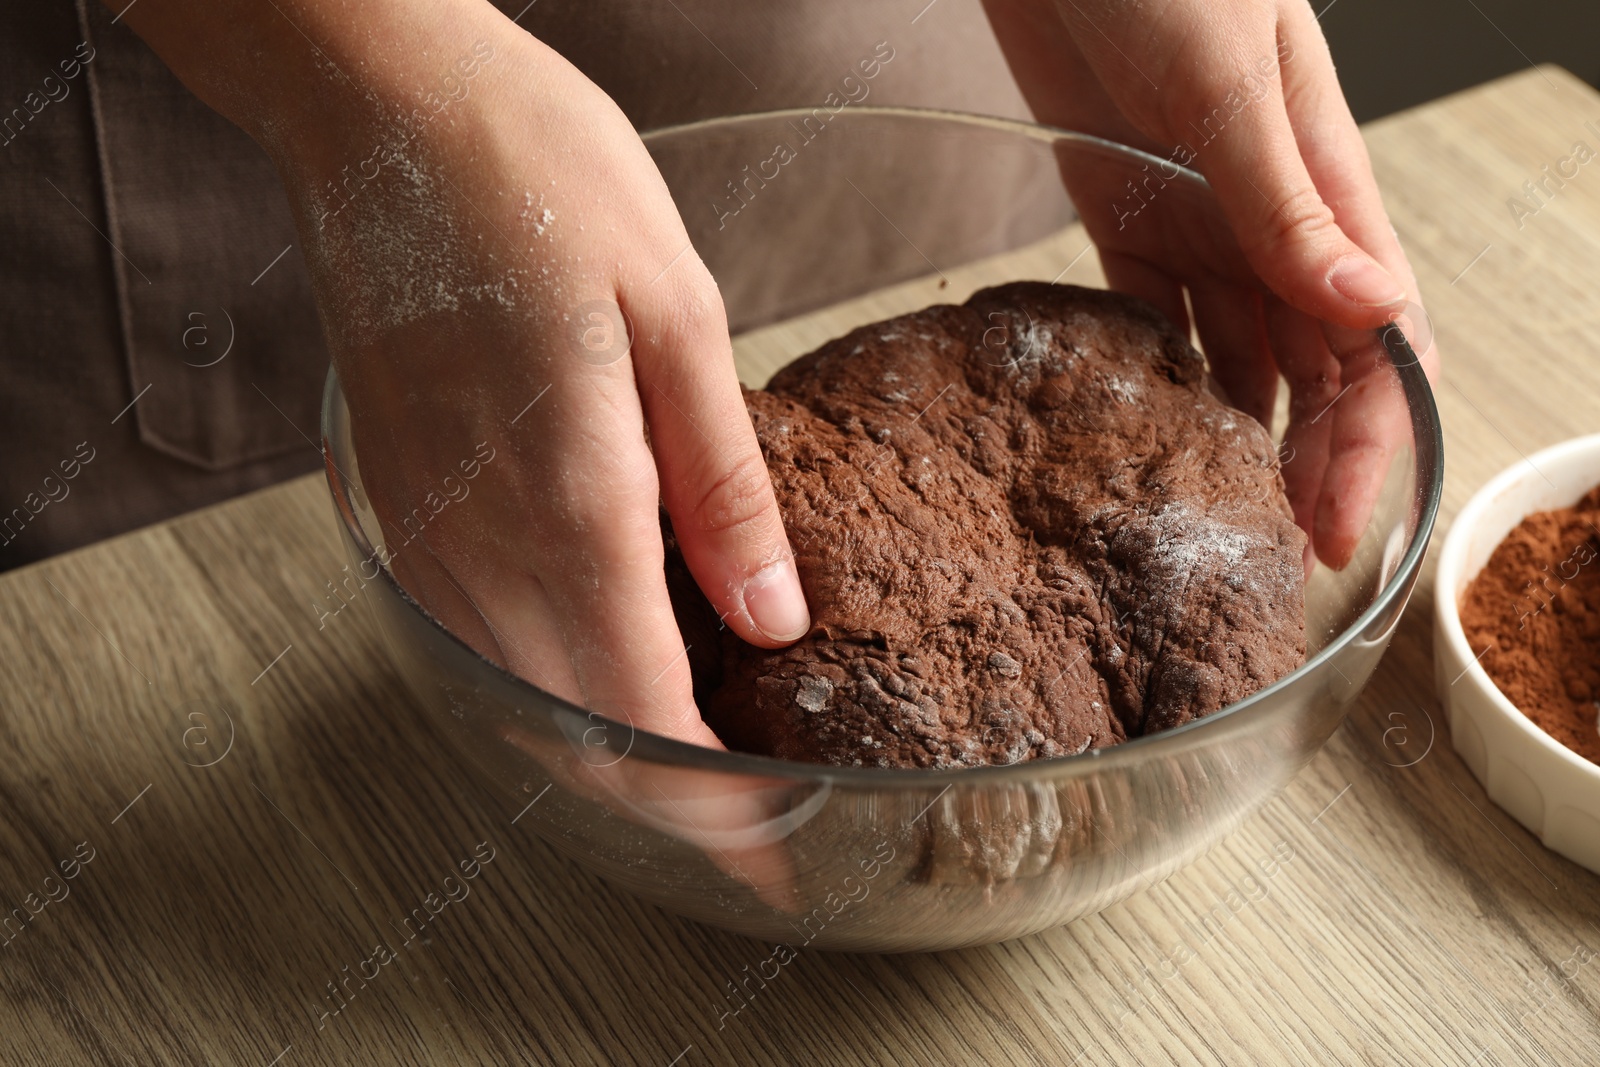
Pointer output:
x,y
1536,608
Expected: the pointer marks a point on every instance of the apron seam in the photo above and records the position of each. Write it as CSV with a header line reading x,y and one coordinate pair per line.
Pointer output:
x,y
148,435
108,204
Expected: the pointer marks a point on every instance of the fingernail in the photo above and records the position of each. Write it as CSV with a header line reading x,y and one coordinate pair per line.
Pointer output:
x,y
1361,280
775,602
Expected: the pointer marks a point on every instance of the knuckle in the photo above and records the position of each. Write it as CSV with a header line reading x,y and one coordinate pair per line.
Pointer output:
x,y
690,304
600,505
1301,218
740,497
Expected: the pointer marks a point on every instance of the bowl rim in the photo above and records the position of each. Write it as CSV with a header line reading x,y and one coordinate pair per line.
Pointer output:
x,y
1428,442
1452,562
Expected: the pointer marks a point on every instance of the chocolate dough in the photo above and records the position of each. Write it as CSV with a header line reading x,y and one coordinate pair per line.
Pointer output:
x,y
1024,528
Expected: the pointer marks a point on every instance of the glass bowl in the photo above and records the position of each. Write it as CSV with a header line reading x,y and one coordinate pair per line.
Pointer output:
x,y
888,210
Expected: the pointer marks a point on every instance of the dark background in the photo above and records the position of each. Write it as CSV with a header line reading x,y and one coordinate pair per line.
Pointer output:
x,y
1392,54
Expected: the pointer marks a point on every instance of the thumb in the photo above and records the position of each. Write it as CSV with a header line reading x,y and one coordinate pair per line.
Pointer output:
x,y
714,481
1221,102
1245,144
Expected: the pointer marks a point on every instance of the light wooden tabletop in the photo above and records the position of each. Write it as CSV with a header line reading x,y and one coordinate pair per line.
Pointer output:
x,y
229,870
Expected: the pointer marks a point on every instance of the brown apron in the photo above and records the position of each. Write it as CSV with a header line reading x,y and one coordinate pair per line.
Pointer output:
x,y
159,347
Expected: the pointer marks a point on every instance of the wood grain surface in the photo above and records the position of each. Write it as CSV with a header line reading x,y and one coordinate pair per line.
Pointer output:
x,y
244,862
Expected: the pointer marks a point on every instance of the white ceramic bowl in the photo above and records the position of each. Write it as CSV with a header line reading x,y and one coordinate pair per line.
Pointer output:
x,y
1544,785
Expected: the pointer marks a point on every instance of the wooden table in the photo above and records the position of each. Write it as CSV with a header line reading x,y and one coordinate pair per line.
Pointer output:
x,y
239,865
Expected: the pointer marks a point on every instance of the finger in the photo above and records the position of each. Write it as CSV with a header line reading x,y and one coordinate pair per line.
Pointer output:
x,y
520,616
422,576
600,560
737,822
740,823
1336,158
1232,326
1141,278
714,481
1313,376
1060,86
1236,117
505,617
1371,424
1368,427
1331,145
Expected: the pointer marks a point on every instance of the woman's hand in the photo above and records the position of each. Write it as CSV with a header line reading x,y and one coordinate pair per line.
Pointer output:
x,y
1244,92
534,358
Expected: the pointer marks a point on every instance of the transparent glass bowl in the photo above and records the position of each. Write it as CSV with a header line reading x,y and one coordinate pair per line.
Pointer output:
x,y
875,859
